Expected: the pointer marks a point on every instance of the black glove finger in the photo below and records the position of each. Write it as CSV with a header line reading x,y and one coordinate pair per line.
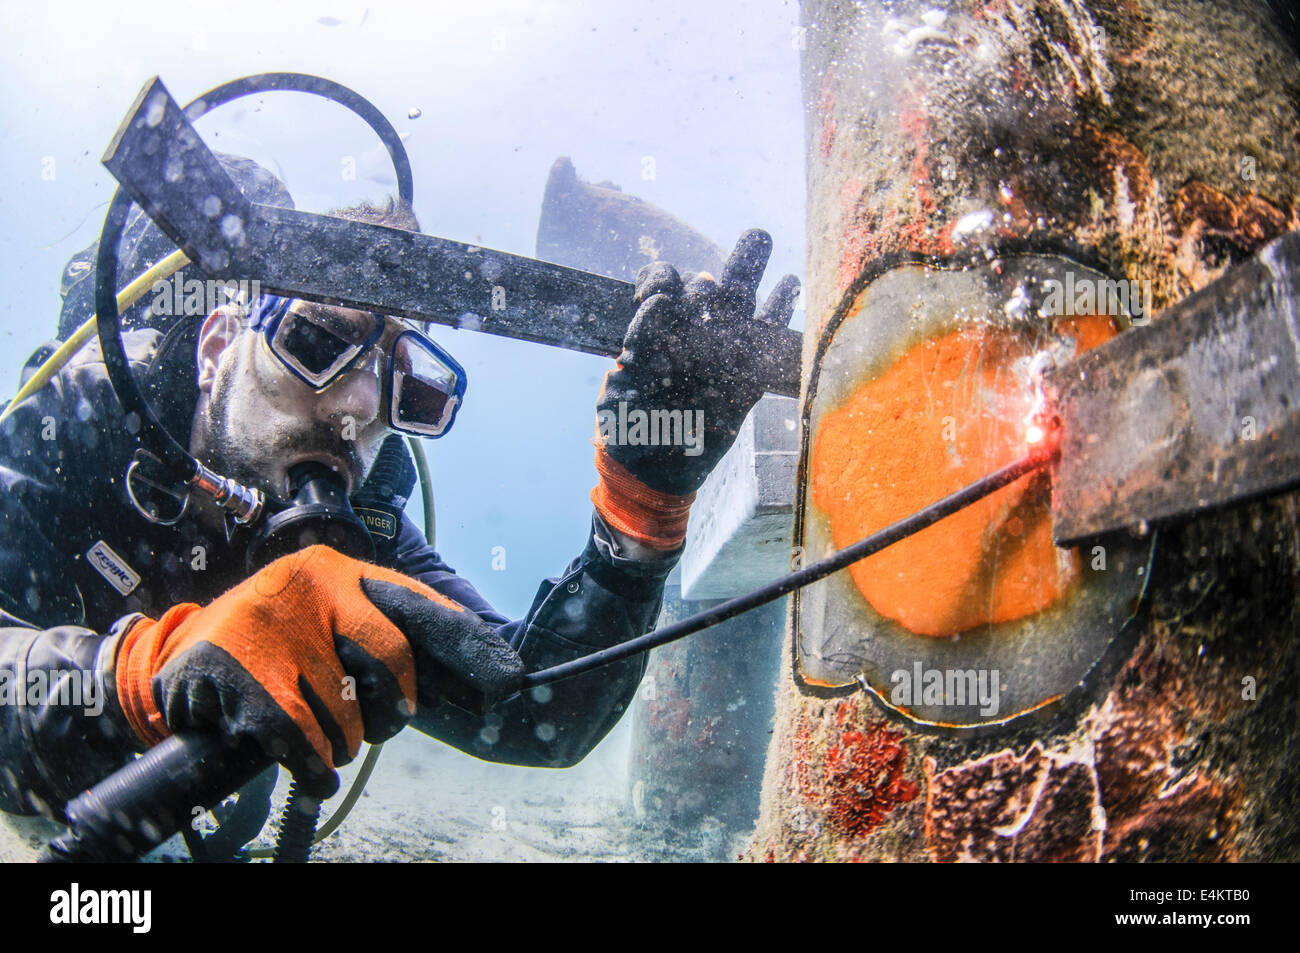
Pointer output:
x,y
304,764
779,306
655,338
284,742
658,315
658,277
700,296
206,689
384,709
448,642
743,271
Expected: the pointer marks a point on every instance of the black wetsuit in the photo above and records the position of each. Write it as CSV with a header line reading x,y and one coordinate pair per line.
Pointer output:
x,y
63,455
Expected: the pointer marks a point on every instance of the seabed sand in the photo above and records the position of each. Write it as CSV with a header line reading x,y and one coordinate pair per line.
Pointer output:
x,y
426,801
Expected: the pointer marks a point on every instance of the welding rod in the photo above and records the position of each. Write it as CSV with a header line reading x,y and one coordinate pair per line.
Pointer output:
x,y
908,526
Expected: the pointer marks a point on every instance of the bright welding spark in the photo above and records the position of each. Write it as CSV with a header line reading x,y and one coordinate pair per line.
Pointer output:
x,y
1035,420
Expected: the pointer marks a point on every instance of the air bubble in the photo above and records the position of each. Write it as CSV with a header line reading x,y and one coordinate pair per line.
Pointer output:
x,y
971,224
153,115
232,227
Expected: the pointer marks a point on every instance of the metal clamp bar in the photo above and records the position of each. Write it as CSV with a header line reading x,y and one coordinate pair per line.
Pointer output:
x,y
164,165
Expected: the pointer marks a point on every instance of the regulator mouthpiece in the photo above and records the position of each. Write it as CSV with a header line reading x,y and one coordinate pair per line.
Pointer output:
x,y
319,513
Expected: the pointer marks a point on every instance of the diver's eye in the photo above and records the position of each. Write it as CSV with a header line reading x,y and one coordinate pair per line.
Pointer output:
x,y
312,346
419,401
426,387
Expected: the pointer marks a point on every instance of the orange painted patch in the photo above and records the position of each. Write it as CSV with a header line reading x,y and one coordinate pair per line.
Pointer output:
x,y
947,413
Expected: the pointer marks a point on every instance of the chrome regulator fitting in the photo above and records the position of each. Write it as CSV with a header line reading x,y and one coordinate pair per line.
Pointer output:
x,y
244,503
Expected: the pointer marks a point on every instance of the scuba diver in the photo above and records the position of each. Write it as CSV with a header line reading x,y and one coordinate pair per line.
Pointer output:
x,y
135,623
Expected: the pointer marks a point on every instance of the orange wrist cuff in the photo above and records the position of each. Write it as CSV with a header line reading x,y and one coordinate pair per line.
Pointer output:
x,y
655,519
138,657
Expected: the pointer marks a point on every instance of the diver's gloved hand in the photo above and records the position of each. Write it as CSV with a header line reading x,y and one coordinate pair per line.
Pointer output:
x,y
458,657
296,657
671,362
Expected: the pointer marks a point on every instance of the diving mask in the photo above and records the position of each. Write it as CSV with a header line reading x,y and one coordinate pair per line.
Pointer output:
x,y
423,385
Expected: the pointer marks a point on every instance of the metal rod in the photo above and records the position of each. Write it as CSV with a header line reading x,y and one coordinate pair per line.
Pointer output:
x,y
872,544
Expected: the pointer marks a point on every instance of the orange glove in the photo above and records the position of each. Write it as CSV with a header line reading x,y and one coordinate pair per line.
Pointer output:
x,y
654,519
296,656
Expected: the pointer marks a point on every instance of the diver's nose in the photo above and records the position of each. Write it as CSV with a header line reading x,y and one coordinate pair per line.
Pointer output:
x,y
354,396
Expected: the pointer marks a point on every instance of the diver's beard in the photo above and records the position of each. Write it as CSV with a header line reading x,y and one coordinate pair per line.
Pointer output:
x,y
228,453
225,454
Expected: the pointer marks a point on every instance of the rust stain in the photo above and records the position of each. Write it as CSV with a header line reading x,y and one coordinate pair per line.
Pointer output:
x,y
1130,34
1161,796
802,757
860,777
1211,230
866,230
1248,222
864,779
1037,807
860,237
669,711
826,110
1259,222
916,233
1197,201
1129,169
843,713
1133,786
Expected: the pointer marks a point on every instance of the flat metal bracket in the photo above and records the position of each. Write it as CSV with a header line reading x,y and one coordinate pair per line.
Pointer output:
x,y
167,169
1198,409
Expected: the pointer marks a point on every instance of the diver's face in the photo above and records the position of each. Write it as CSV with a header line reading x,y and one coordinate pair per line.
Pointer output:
x,y
260,420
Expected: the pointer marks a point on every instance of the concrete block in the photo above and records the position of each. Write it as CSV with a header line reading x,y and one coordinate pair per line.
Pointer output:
x,y
742,520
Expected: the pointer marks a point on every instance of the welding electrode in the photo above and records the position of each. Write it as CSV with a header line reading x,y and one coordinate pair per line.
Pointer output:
x,y
869,546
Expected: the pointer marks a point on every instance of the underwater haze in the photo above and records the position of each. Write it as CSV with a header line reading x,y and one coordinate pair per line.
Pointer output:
x,y
692,106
